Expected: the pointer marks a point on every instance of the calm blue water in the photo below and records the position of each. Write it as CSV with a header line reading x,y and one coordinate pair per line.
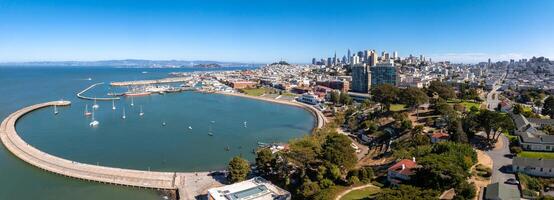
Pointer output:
x,y
136,142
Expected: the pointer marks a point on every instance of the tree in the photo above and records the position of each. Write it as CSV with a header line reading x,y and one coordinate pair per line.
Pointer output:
x,y
385,94
413,97
439,172
493,121
304,151
337,151
264,160
345,98
518,109
308,189
458,133
238,169
335,97
465,191
548,107
442,90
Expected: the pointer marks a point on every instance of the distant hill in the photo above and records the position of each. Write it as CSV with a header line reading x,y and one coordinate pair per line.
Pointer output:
x,y
133,63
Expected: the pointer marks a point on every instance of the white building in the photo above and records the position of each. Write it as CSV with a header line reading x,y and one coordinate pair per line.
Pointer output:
x,y
253,189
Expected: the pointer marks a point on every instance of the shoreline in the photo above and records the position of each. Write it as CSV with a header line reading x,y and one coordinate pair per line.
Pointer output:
x,y
319,118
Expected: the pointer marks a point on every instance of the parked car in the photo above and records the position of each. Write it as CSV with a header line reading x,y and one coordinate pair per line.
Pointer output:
x,y
512,181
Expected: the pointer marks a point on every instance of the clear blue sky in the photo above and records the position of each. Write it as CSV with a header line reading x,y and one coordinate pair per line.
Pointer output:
x,y
265,31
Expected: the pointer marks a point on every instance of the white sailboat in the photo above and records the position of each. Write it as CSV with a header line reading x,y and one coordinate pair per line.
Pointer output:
x,y
95,106
113,104
123,116
132,102
55,110
141,113
87,113
244,124
93,123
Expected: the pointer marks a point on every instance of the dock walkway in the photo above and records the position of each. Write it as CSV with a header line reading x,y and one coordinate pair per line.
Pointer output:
x,y
80,94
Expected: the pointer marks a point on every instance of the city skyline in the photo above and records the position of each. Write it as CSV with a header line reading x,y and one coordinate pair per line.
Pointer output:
x,y
296,31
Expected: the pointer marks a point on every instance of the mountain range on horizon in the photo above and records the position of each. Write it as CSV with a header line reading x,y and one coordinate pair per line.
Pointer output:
x,y
134,63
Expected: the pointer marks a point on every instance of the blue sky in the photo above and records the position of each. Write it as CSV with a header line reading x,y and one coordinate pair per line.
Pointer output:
x,y
265,31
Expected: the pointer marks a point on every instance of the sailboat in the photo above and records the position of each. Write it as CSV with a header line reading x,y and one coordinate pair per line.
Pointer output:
x,y
55,110
87,113
93,123
132,102
123,116
141,113
244,124
95,106
210,131
163,124
113,104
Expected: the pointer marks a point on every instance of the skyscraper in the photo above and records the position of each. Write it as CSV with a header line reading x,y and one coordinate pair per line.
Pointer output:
x,y
355,59
361,78
373,58
384,73
395,55
349,56
313,61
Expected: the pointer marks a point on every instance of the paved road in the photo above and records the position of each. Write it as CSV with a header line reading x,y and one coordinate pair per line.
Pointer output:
x,y
502,162
492,96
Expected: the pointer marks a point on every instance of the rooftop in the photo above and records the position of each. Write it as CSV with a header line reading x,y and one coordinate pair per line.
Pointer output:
x,y
253,189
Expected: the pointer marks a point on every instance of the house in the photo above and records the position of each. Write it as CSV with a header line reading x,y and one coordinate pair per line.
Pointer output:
x,y
253,189
401,171
439,136
498,191
534,166
530,137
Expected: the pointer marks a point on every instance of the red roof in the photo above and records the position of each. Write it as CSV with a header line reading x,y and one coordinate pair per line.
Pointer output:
x,y
440,135
408,167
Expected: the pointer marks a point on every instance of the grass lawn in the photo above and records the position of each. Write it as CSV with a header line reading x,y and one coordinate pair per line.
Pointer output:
x,y
397,107
361,194
256,91
533,154
466,104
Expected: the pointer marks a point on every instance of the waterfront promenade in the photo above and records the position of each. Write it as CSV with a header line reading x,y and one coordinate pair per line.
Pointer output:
x,y
80,94
45,161
318,115
188,185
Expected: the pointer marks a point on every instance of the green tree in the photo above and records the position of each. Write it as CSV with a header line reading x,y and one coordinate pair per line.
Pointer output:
x,y
335,97
308,189
518,109
385,94
337,151
548,107
345,98
413,97
264,161
439,172
442,90
465,191
304,151
238,169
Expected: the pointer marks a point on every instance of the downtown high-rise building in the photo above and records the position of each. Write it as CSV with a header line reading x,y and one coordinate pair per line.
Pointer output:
x,y
372,58
349,56
384,73
361,78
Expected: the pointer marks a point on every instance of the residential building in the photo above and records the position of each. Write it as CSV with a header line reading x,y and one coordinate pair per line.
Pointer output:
x,y
401,171
439,136
498,191
384,73
361,78
530,137
252,189
534,166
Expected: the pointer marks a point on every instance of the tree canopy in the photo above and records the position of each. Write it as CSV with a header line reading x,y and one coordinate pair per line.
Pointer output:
x,y
442,90
238,169
385,94
548,107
